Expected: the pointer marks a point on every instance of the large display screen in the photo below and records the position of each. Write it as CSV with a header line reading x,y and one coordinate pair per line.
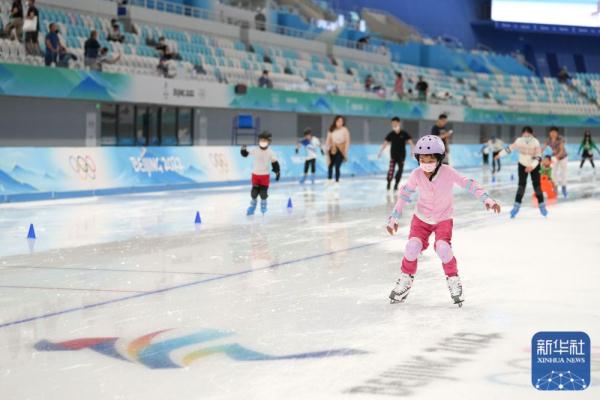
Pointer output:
x,y
584,13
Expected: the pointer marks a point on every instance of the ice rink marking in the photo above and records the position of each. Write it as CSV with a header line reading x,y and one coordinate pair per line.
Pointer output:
x,y
189,284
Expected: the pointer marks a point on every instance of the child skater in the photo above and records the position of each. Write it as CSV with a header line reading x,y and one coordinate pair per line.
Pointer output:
x,y
546,182
264,160
588,146
433,214
311,145
559,157
530,154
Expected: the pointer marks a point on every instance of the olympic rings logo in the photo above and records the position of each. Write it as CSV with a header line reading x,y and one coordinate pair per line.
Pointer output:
x,y
219,162
84,166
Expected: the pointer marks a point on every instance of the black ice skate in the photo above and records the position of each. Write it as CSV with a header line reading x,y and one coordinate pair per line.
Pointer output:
x,y
402,289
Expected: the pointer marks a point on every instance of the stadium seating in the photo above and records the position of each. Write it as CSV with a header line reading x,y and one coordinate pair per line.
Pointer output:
x,y
231,61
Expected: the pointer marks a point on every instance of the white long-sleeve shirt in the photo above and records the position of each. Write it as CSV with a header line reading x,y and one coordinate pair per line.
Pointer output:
x,y
261,160
529,150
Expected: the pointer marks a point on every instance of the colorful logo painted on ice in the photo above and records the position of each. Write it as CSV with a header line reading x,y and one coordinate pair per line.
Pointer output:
x,y
155,350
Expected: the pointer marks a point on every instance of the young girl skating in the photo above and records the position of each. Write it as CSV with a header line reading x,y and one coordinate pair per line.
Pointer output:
x,y
433,214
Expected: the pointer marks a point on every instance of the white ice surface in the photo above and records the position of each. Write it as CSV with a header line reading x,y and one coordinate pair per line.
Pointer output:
x,y
311,280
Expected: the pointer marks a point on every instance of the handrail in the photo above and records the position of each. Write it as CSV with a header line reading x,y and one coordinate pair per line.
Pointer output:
x,y
171,7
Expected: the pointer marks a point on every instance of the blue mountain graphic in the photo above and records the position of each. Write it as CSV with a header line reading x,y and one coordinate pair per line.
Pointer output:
x,y
194,172
416,111
322,104
6,76
11,185
89,88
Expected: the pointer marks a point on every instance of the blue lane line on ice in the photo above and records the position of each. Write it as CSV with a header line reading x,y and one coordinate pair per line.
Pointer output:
x,y
185,285
134,271
69,288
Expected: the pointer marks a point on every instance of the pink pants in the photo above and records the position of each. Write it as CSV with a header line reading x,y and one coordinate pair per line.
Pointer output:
x,y
419,241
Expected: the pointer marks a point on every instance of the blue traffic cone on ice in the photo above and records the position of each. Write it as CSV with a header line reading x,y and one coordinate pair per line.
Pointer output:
x,y
198,220
31,233
289,204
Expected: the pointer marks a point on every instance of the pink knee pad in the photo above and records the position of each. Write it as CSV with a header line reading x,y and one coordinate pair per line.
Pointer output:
x,y
413,249
444,251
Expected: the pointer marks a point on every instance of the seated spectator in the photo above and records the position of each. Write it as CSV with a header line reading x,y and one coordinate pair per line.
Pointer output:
x,y
372,86
166,68
64,57
163,49
15,21
422,87
441,95
465,101
264,80
200,69
362,42
52,45
399,85
32,30
91,49
104,58
369,82
115,34
563,75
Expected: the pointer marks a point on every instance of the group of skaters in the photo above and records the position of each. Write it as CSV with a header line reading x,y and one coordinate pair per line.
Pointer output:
x,y
433,179
336,149
548,172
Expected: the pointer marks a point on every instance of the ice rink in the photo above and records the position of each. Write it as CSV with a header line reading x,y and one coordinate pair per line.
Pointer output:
x,y
124,297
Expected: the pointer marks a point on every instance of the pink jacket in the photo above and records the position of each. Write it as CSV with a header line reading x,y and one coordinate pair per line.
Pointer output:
x,y
435,197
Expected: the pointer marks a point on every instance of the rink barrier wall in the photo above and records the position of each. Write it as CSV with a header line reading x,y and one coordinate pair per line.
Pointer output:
x,y
60,83
30,173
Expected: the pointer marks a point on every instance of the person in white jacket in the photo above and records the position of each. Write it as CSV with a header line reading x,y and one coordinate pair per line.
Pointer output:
x,y
530,153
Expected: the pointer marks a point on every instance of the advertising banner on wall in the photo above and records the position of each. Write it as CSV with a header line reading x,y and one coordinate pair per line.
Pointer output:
x,y
45,173
32,81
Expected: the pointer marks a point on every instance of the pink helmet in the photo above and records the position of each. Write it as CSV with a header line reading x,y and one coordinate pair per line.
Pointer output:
x,y
430,144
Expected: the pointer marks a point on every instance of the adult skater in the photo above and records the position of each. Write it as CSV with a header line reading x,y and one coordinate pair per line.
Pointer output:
x,y
264,160
441,129
338,145
588,146
311,145
559,158
433,214
397,138
495,146
529,163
